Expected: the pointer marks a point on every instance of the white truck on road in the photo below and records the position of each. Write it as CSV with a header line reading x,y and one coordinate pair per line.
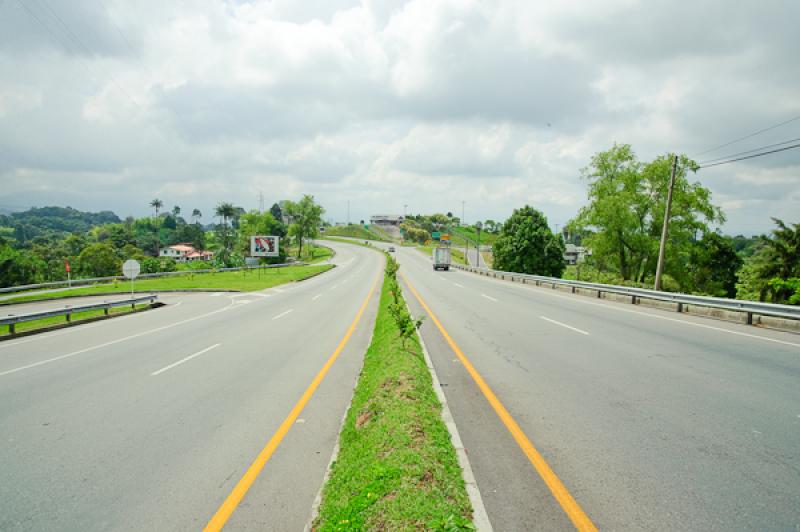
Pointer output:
x,y
441,258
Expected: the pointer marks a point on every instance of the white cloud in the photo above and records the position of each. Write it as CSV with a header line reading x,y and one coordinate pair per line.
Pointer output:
x,y
425,103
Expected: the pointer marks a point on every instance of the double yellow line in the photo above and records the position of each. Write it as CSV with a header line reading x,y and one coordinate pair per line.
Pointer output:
x,y
243,486
557,488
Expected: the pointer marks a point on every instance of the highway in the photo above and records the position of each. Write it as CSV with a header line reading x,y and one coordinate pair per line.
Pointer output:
x,y
650,419
149,421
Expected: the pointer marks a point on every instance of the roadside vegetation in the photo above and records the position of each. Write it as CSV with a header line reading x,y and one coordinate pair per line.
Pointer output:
x,y
354,231
240,281
37,245
77,317
396,468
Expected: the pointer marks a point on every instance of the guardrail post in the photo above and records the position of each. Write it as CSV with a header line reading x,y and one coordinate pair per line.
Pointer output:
x,y
573,289
633,300
599,294
11,328
680,307
105,311
749,318
69,317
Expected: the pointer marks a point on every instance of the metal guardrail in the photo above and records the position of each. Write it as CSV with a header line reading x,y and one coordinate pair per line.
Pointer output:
x,y
93,280
12,319
734,305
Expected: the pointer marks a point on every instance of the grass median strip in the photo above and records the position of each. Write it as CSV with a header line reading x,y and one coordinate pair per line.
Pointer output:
x,y
27,326
243,281
396,468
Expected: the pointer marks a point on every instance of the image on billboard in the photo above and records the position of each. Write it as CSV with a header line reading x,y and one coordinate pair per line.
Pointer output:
x,y
263,246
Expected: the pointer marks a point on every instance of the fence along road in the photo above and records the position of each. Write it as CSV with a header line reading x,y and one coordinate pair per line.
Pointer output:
x,y
147,422
652,420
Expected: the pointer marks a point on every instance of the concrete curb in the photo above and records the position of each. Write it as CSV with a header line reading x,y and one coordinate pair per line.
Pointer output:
x,y
479,516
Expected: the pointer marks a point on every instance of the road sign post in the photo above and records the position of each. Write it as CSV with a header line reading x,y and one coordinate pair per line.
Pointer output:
x,y
131,269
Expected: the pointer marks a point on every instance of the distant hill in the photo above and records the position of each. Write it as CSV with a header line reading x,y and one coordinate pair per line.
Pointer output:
x,y
53,221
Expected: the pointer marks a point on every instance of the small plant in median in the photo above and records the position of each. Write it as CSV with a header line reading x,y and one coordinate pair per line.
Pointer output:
x,y
406,325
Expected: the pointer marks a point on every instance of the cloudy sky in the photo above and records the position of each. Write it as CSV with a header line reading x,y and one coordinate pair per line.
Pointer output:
x,y
107,105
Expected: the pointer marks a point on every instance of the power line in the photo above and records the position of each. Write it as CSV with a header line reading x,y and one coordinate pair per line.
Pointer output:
x,y
749,151
748,136
753,156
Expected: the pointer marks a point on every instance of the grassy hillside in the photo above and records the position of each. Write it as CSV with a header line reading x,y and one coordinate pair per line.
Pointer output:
x,y
469,232
353,231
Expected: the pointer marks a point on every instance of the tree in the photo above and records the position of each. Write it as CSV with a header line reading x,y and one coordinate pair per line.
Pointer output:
x,y
225,211
176,211
526,245
196,215
98,260
157,204
767,274
256,223
626,211
276,212
713,265
306,215
19,267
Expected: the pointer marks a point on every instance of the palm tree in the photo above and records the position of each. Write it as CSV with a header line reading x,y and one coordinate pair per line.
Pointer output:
x,y
176,211
156,204
196,214
226,211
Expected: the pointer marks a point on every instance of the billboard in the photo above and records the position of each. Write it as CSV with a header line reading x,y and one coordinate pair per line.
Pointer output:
x,y
263,246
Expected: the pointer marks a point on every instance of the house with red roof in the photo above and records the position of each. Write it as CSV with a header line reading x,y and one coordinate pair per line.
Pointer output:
x,y
185,252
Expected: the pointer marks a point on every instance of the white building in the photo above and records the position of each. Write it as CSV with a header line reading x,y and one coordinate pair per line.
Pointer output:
x,y
184,252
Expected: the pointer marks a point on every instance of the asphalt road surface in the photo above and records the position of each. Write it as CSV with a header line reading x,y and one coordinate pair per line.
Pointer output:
x,y
651,420
149,421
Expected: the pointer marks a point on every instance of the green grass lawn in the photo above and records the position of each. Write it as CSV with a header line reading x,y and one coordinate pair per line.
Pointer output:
x,y
396,468
487,239
58,320
456,255
243,281
353,231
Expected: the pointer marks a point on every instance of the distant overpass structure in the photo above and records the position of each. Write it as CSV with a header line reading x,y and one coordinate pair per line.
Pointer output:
x,y
387,219
389,223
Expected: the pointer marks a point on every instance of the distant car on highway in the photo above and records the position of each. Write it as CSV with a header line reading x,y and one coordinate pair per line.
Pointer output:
x,y
391,249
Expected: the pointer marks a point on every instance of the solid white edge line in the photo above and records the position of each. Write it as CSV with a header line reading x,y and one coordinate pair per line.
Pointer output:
x,y
459,285
45,336
490,298
112,342
564,325
282,314
610,305
181,361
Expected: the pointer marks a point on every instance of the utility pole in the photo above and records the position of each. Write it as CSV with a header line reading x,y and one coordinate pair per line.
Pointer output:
x,y
665,229
463,221
478,226
261,202
348,212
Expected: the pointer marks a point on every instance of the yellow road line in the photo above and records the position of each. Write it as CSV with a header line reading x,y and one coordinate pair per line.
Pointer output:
x,y
557,488
229,506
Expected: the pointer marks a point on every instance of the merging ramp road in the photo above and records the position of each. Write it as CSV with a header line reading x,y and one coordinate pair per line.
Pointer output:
x,y
649,420
151,421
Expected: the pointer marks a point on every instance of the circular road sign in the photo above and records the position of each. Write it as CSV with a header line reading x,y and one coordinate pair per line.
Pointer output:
x,y
131,269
